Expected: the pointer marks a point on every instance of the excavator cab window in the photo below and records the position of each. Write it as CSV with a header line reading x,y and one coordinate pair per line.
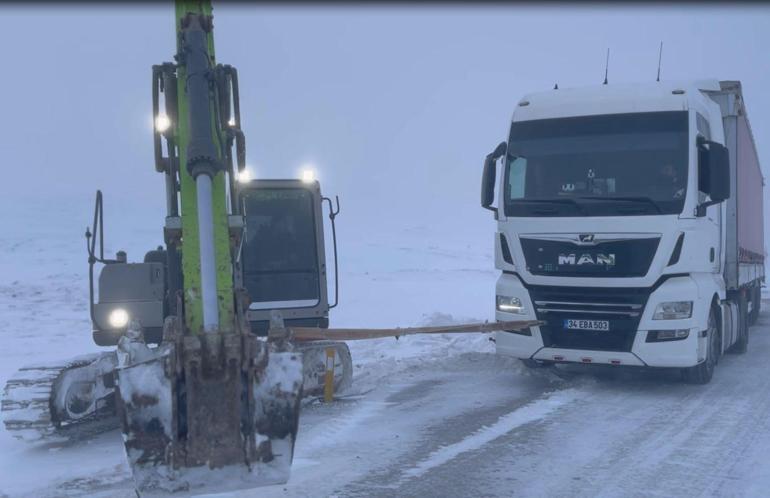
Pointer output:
x,y
280,253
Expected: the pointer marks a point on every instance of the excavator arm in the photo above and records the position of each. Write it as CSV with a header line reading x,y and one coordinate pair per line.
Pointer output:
x,y
213,404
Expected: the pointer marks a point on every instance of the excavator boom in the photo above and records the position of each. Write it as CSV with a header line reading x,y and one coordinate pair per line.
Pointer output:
x,y
213,407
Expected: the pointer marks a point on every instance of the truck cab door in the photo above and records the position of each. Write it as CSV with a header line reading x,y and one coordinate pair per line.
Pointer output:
x,y
713,190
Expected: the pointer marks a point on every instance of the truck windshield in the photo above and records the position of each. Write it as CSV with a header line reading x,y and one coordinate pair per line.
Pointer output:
x,y
606,165
280,256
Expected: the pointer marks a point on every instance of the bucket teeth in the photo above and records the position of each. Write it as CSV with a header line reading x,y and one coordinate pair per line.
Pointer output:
x,y
221,410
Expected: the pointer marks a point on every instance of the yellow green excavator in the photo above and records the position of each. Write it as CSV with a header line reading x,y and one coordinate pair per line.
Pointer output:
x,y
204,380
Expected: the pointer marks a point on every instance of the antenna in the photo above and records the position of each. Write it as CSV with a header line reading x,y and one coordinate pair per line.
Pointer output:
x,y
607,66
660,56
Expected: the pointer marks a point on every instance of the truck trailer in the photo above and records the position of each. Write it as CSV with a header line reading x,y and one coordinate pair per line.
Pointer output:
x,y
630,223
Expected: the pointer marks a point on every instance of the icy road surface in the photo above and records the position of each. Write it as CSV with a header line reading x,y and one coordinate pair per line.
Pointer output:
x,y
427,416
473,424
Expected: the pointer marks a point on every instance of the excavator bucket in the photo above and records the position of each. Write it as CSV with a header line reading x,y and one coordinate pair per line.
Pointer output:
x,y
210,414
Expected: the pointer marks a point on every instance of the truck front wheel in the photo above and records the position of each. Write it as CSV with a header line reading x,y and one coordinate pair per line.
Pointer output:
x,y
704,371
744,320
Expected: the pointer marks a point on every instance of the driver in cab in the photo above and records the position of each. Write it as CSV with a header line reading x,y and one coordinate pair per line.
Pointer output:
x,y
672,183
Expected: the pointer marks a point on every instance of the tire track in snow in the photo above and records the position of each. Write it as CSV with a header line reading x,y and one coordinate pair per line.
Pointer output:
x,y
531,412
339,432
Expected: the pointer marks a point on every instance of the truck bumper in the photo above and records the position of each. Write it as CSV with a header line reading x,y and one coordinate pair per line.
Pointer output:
x,y
679,353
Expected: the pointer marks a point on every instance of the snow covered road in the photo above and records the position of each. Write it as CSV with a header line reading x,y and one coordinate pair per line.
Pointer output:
x,y
474,424
479,426
428,416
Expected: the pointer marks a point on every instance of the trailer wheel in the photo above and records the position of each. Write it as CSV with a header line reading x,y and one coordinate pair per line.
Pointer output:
x,y
704,371
744,319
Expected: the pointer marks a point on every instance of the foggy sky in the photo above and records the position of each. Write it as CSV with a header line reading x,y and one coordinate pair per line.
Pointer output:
x,y
396,106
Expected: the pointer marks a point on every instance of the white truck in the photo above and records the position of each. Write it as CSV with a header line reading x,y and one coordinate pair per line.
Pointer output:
x,y
629,221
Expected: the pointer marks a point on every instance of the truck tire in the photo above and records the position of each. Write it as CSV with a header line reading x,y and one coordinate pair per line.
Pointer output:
x,y
756,304
742,344
704,371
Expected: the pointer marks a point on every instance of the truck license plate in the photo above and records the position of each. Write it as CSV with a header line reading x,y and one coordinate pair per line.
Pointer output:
x,y
601,325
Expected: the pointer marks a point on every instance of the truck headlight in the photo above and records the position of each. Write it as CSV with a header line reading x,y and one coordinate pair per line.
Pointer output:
x,y
118,318
509,304
673,310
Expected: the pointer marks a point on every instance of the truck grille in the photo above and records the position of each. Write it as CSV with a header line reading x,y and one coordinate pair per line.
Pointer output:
x,y
608,259
621,307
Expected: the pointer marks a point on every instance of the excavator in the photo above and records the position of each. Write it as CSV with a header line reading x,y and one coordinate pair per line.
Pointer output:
x,y
203,374
218,334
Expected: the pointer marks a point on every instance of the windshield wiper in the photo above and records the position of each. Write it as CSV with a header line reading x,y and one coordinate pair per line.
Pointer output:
x,y
645,200
571,202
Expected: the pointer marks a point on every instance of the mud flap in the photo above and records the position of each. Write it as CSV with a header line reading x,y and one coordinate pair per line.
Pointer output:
x,y
214,414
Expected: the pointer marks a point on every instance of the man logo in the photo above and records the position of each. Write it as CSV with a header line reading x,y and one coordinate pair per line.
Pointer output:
x,y
586,237
587,259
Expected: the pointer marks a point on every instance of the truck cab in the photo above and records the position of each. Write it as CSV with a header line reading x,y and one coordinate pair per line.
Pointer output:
x,y
616,209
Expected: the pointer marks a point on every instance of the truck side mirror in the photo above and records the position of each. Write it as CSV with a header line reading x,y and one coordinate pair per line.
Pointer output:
x,y
719,172
489,176
714,172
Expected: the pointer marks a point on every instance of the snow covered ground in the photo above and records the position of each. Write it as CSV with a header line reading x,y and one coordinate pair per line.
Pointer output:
x,y
426,416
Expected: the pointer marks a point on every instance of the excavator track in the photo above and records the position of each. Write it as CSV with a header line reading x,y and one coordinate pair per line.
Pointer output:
x,y
33,406
61,401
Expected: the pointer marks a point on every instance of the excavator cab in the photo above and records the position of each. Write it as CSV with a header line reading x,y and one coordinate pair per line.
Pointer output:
x,y
283,258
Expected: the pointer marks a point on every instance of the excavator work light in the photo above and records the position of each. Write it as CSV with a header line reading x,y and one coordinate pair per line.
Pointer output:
x,y
244,176
162,123
308,175
118,318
